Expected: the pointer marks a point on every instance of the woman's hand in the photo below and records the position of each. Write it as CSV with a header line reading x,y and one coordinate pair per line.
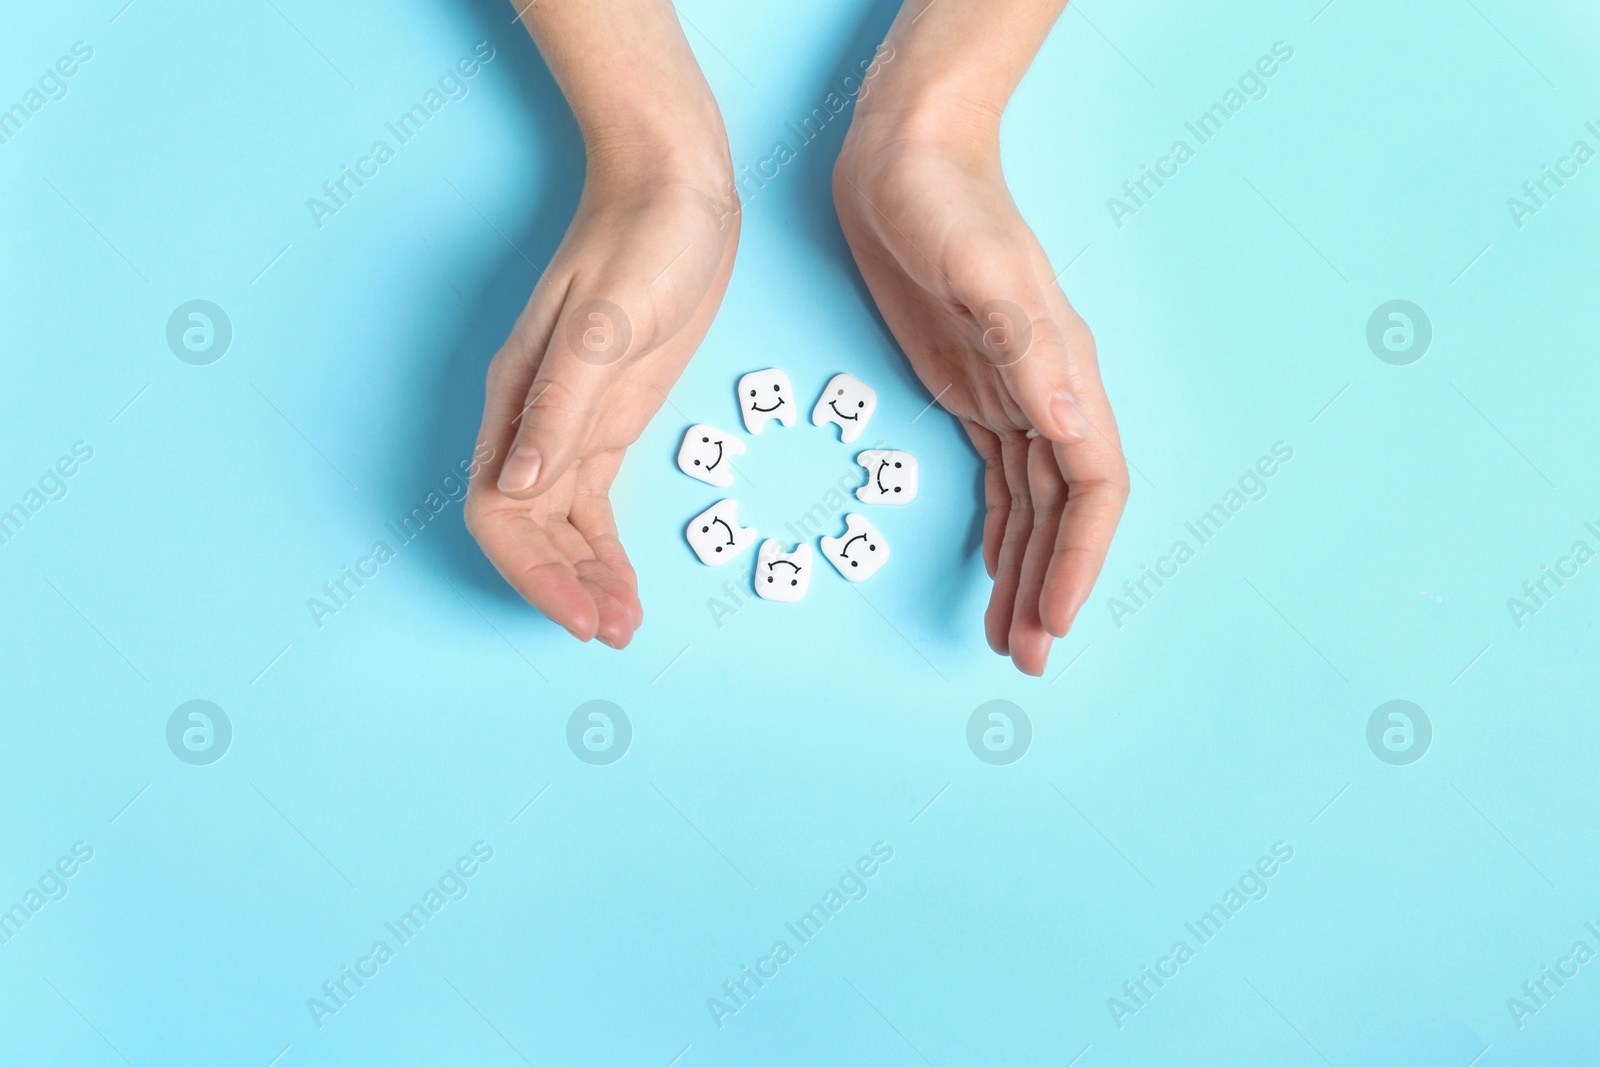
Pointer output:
x,y
626,299
971,296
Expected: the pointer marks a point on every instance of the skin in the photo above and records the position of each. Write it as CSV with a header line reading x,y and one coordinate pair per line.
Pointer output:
x,y
959,277
654,237
969,293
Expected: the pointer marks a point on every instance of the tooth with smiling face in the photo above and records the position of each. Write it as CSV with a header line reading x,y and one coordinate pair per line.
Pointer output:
x,y
705,454
847,401
781,575
891,477
716,536
763,395
860,552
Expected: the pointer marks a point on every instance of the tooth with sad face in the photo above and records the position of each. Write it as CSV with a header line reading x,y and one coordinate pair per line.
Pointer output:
x,y
705,454
763,395
781,575
847,401
860,552
891,477
716,536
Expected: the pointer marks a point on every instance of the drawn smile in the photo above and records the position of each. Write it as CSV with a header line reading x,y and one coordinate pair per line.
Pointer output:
x,y
844,553
712,466
839,413
785,562
727,528
765,411
882,463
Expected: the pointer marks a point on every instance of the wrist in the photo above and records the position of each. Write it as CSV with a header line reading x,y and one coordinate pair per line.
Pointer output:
x,y
633,84
678,139
955,65
927,116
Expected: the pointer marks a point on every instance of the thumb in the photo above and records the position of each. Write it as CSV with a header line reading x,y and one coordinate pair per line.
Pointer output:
x,y
588,343
1029,348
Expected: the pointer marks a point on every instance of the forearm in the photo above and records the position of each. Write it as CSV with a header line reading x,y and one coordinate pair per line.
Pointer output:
x,y
631,80
957,62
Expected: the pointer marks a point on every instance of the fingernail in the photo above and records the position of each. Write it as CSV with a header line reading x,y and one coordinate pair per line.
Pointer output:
x,y
604,640
521,470
1069,416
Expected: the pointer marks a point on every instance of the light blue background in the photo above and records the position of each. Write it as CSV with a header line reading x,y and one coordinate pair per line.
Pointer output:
x,y
1168,753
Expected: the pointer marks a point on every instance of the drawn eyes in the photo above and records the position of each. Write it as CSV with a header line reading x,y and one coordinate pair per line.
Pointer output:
x,y
835,406
698,443
729,540
774,385
847,556
770,558
901,489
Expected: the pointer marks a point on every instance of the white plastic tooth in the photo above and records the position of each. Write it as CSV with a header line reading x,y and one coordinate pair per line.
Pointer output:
x,y
847,401
765,395
783,576
860,553
716,536
891,477
706,454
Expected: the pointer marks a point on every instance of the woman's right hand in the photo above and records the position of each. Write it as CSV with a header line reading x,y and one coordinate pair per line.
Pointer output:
x,y
624,303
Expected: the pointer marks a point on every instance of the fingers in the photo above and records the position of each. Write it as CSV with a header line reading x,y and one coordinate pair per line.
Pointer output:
x,y
1099,480
1045,357
1013,544
614,626
561,552
1097,473
610,570
1053,377
1052,512
1029,639
997,498
585,586
524,554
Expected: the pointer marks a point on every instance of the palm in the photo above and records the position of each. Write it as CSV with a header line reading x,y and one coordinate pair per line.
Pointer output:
x,y
666,255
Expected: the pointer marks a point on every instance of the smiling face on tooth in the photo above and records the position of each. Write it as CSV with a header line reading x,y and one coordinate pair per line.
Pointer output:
x,y
783,576
764,395
716,536
891,477
705,454
860,552
847,401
